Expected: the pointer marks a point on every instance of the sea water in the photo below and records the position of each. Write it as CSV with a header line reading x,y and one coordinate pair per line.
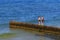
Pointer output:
x,y
28,11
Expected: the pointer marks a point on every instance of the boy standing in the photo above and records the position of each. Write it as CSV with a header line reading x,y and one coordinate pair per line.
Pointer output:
x,y
42,20
39,20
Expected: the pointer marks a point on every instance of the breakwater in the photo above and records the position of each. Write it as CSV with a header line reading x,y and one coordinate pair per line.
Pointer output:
x,y
35,27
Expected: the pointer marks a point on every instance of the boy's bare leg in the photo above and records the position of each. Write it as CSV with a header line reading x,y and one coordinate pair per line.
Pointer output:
x,y
39,23
42,23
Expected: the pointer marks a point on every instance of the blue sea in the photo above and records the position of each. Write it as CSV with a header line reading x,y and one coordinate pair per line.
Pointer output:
x,y
28,11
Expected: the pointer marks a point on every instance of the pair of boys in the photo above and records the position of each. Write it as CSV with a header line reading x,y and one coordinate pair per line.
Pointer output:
x,y
40,20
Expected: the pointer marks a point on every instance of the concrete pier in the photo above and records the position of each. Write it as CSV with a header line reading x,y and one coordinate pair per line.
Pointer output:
x,y
35,27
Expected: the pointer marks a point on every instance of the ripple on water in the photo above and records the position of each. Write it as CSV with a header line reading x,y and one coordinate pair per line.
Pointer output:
x,y
23,35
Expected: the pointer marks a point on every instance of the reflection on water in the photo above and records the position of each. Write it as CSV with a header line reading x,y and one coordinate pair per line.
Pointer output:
x,y
19,34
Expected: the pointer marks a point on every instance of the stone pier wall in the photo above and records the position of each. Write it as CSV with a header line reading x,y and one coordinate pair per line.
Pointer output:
x,y
35,26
